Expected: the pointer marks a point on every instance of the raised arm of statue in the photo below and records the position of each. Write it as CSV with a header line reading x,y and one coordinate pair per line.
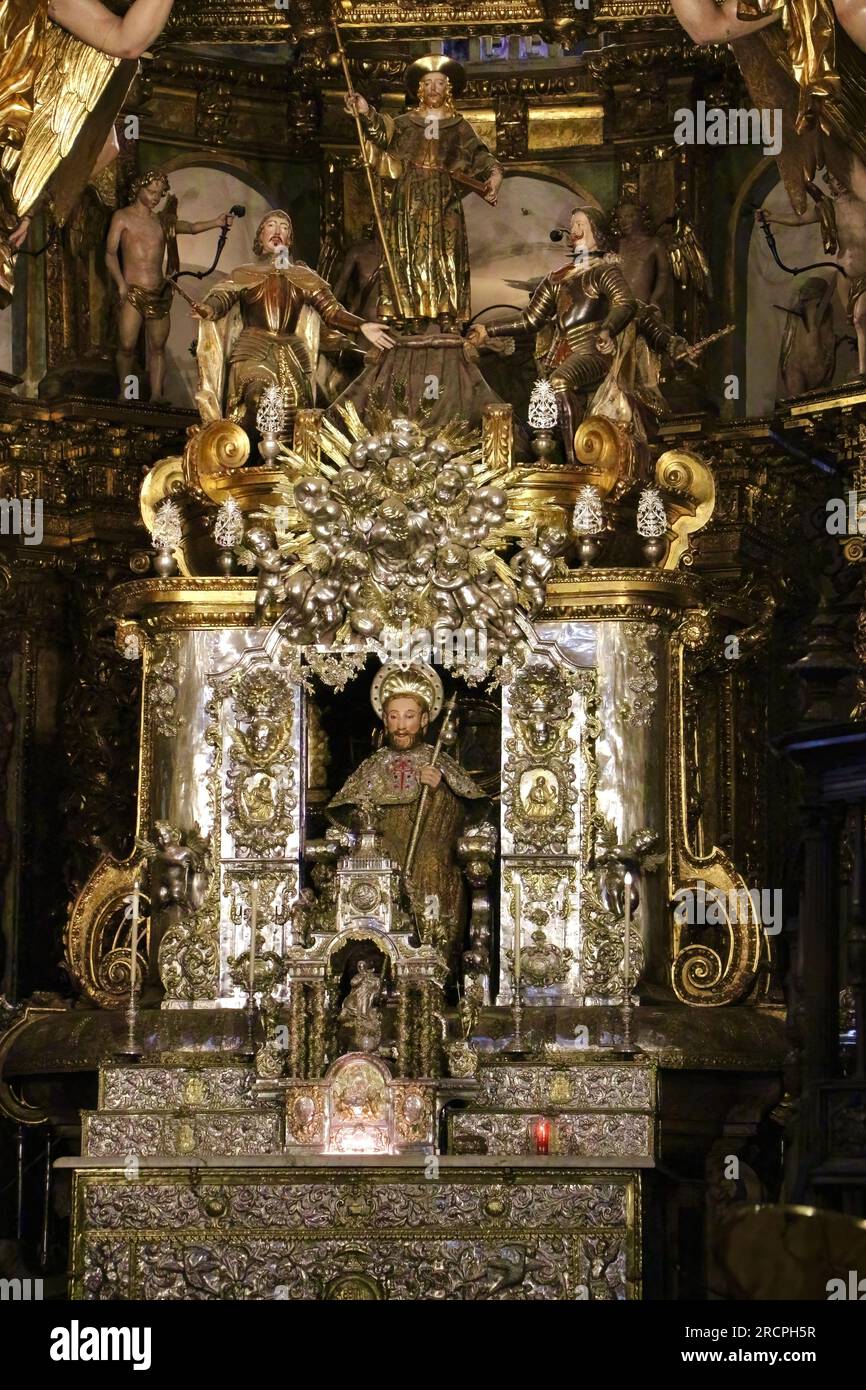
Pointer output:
x,y
706,22
540,309
94,24
220,300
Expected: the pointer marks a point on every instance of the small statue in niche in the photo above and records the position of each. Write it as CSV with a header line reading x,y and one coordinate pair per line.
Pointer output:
x,y
539,801
841,215
302,917
360,1011
807,357
462,1057
141,253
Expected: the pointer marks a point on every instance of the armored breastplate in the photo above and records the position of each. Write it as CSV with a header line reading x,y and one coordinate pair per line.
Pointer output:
x,y
575,306
274,304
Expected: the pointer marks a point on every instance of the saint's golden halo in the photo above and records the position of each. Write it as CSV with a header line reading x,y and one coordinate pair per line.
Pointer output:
x,y
418,679
435,62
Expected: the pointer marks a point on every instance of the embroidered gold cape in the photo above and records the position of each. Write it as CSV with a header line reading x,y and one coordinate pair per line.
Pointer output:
x,y
389,779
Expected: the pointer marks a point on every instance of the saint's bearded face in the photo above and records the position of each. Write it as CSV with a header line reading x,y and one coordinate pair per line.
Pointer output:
x,y
405,721
274,234
433,90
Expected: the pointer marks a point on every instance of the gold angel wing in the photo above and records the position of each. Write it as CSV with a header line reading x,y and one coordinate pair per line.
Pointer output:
x,y
688,259
77,96
23,27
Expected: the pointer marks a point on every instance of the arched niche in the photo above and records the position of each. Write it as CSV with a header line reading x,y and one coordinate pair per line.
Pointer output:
x,y
204,190
759,292
511,242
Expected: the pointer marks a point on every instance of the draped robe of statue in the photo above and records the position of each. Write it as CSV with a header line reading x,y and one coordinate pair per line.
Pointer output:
x,y
425,226
807,67
265,333
389,779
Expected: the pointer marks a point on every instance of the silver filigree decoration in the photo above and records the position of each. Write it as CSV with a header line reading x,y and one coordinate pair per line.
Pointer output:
x,y
641,682
228,528
652,520
167,530
588,517
543,411
335,667
163,686
271,414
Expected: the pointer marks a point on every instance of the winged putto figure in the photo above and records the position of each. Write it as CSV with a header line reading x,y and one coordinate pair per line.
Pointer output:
x,y
65,69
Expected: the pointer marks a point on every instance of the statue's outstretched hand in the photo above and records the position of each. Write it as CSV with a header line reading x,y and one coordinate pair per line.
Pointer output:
x,y
477,335
203,311
683,353
430,776
356,102
492,186
604,342
19,236
378,335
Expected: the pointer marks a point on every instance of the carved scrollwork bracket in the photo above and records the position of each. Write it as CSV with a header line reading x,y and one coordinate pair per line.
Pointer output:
x,y
717,961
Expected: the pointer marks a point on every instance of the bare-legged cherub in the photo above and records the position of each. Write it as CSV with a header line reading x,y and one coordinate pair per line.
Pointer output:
x,y
135,254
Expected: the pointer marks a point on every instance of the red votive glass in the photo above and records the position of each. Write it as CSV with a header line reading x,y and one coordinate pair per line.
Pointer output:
x,y
542,1136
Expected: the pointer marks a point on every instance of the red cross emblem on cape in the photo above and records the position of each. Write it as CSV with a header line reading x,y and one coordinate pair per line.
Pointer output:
x,y
403,774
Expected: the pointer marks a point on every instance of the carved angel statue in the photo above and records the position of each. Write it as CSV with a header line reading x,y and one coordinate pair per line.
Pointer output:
x,y
262,743
180,866
65,69
796,58
636,856
534,565
179,863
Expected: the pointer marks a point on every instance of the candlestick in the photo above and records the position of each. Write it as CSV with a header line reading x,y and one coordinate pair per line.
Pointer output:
x,y
254,920
251,984
517,1007
517,920
132,1052
133,958
542,1136
626,1002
